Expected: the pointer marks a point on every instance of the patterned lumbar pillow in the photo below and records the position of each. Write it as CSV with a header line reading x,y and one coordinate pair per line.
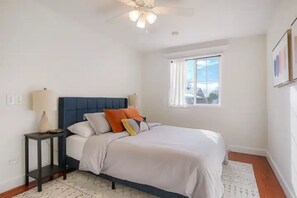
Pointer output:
x,y
133,127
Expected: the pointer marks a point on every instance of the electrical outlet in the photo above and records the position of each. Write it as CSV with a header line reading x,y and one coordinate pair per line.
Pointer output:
x,y
18,99
10,99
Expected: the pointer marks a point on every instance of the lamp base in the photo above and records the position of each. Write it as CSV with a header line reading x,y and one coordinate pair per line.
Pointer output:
x,y
44,125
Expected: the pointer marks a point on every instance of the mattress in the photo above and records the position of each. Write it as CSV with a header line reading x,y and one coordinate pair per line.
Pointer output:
x,y
174,159
75,145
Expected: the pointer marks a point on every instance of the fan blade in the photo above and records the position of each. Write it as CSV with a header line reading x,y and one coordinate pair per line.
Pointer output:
x,y
174,11
113,19
128,2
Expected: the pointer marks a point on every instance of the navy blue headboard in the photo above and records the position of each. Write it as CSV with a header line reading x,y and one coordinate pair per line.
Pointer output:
x,y
72,110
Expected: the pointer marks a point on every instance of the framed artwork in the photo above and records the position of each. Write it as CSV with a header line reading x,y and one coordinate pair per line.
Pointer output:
x,y
281,62
294,49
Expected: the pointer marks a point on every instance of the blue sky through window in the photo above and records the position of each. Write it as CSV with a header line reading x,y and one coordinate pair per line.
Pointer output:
x,y
207,74
212,65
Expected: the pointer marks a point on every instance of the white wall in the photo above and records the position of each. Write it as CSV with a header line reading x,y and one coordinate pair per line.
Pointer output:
x,y
40,48
242,117
282,107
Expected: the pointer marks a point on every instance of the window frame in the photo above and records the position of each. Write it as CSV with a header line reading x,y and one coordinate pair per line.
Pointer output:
x,y
220,80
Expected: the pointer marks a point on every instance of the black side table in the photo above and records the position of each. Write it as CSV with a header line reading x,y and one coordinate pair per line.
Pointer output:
x,y
51,169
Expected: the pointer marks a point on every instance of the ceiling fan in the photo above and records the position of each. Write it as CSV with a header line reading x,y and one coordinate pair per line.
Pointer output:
x,y
146,12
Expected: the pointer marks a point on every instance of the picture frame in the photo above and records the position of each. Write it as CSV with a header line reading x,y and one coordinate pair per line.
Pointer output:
x,y
281,61
294,49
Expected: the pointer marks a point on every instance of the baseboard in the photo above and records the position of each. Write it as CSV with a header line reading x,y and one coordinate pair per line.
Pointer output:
x,y
12,183
288,191
247,150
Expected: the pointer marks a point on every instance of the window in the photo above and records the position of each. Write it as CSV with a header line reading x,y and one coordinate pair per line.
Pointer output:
x,y
202,81
195,81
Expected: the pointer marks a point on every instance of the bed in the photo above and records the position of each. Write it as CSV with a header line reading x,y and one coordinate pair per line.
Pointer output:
x,y
164,161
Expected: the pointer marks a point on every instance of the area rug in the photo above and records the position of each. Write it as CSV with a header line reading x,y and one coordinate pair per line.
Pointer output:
x,y
238,179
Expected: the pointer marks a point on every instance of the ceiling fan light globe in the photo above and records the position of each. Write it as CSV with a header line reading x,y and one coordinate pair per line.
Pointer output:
x,y
151,18
141,23
134,15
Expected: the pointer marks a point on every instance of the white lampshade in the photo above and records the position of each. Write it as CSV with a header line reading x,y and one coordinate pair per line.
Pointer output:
x,y
133,100
141,22
44,100
151,18
134,15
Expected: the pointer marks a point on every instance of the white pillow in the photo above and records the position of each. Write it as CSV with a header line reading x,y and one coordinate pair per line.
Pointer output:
x,y
98,122
82,128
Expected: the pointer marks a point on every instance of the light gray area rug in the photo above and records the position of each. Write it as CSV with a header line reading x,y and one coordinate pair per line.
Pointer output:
x,y
238,179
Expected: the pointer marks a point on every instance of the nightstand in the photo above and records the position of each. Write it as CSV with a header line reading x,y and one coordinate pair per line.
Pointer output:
x,y
51,169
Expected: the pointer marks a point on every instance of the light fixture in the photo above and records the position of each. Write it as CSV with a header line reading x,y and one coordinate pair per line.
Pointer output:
x,y
133,100
43,101
134,15
141,16
151,17
141,21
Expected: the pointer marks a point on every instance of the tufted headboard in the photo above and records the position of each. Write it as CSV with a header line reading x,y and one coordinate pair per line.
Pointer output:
x,y
72,110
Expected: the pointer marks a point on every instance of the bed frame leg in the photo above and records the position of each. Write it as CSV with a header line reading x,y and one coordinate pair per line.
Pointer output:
x,y
113,185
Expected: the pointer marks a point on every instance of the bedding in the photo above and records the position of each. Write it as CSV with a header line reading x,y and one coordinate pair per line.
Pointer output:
x,y
133,114
180,160
74,146
98,122
114,118
82,128
133,127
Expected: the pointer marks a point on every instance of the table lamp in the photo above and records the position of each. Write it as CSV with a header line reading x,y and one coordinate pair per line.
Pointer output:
x,y
43,101
133,100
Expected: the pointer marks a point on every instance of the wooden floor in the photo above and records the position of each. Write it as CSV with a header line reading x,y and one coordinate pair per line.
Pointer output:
x,y
268,184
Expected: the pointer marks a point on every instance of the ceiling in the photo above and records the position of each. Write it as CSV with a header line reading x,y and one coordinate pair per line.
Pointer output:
x,y
213,20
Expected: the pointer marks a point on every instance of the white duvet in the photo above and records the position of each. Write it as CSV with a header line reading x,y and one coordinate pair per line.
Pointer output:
x,y
180,160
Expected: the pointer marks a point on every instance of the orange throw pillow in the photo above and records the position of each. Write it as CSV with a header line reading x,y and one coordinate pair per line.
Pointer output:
x,y
133,113
114,118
